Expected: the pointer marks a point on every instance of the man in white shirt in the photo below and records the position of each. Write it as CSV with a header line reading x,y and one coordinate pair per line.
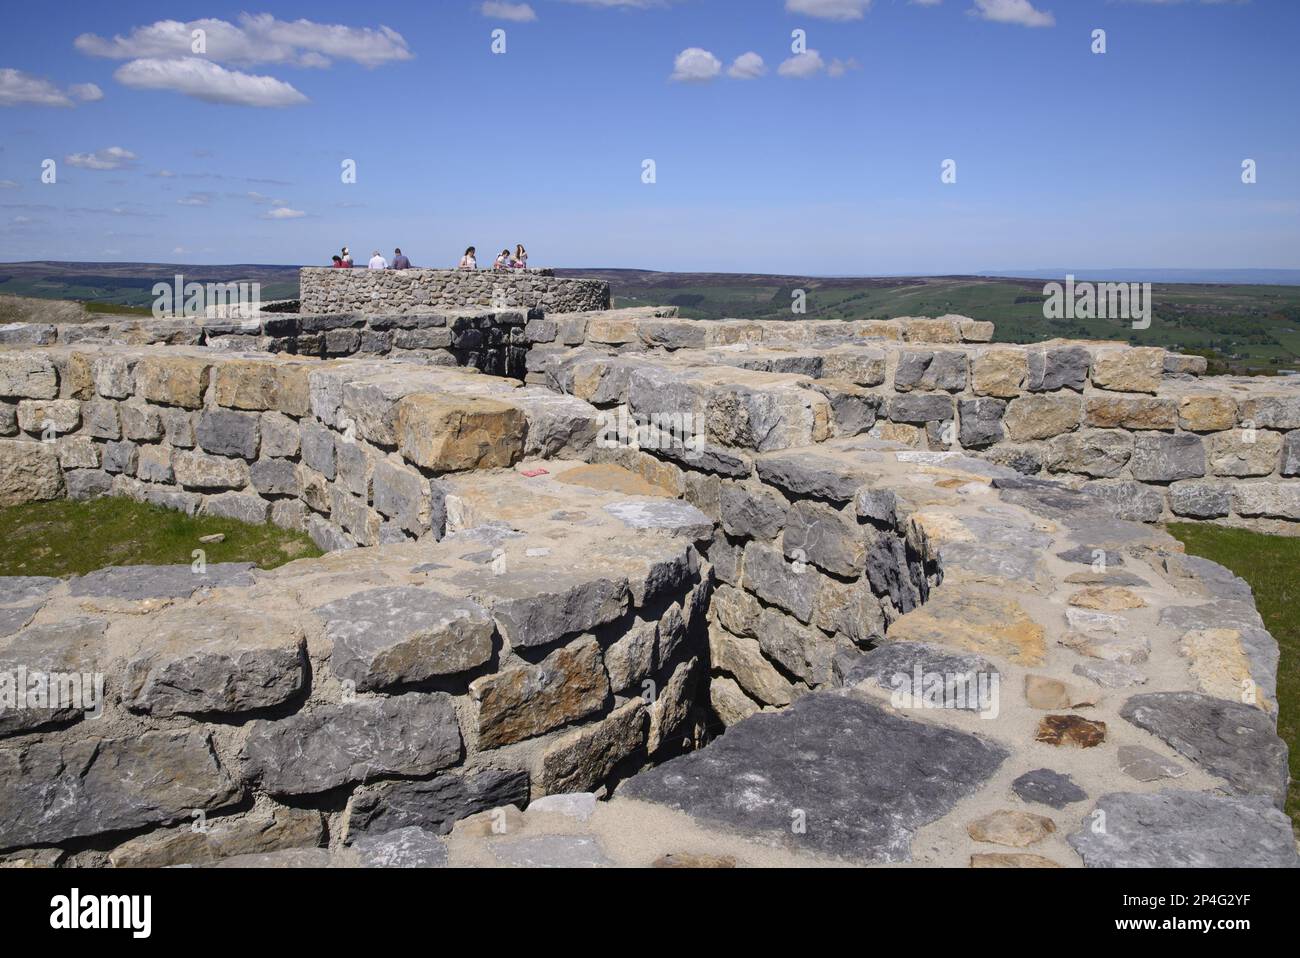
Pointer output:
x,y
378,262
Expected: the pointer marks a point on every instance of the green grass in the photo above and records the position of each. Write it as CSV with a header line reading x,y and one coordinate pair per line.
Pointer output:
x,y
64,538
118,309
1271,564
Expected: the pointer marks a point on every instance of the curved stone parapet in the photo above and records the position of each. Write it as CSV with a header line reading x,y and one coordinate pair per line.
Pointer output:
x,y
421,290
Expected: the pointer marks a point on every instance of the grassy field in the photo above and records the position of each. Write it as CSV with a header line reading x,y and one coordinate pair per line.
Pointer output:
x,y
1271,564
72,538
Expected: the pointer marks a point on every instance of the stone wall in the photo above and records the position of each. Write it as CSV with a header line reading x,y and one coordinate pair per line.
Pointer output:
x,y
1139,426
354,453
422,290
671,529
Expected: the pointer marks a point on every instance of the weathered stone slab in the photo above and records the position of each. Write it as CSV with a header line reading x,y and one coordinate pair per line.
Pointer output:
x,y
551,851
928,676
411,847
69,647
1146,765
388,637
835,758
139,582
974,622
436,804
29,472
1012,828
585,758
254,834
810,474
1047,787
1176,829
332,745
667,515
1233,741
53,791
519,703
791,586
816,533
449,434
214,659
538,606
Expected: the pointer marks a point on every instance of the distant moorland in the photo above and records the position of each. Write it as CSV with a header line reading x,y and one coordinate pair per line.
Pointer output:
x,y
1241,327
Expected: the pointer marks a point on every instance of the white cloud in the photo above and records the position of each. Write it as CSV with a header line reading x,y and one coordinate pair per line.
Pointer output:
x,y
86,92
840,67
196,199
1020,12
205,80
112,158
694,65
830,9
9,185
22,89
625,4
802,66
257,38
747,66
514,12
283,213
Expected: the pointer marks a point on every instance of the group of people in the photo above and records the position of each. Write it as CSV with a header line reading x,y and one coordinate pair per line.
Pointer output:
x,y
507,260
377,261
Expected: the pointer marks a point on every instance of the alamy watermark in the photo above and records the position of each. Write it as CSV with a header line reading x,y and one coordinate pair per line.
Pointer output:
x,y
1129,302
622,429
24,690
213,300
968,691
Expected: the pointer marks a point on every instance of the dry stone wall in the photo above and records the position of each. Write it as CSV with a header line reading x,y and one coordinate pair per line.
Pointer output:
x,y
423,290
667,530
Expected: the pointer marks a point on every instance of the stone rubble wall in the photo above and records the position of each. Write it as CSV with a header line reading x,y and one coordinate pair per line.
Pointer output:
x,y
340,699
1139,426
351,452
789,500
423,290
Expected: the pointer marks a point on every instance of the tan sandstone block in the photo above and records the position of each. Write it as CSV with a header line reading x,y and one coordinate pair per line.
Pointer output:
x,y
1113,599
974,622
1005,827
29,472
1011,860
1218,662
448,434
1243,452
172,380
1131,412
1042,417
254,385
1132,369
1048,694
1207,413
999,372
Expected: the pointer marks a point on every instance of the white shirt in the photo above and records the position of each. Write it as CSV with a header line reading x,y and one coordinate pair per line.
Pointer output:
x,y
378,262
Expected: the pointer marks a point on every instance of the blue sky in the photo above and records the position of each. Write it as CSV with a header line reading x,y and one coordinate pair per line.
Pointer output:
x,y
830,164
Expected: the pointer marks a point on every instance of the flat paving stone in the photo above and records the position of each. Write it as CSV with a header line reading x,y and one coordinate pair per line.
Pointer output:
x,y
140,582
1047,787
832,761
1233,741
551,851
1176,829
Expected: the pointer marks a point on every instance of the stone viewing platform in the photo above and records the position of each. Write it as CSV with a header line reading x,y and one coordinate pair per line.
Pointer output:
x,y
324,290
617,588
